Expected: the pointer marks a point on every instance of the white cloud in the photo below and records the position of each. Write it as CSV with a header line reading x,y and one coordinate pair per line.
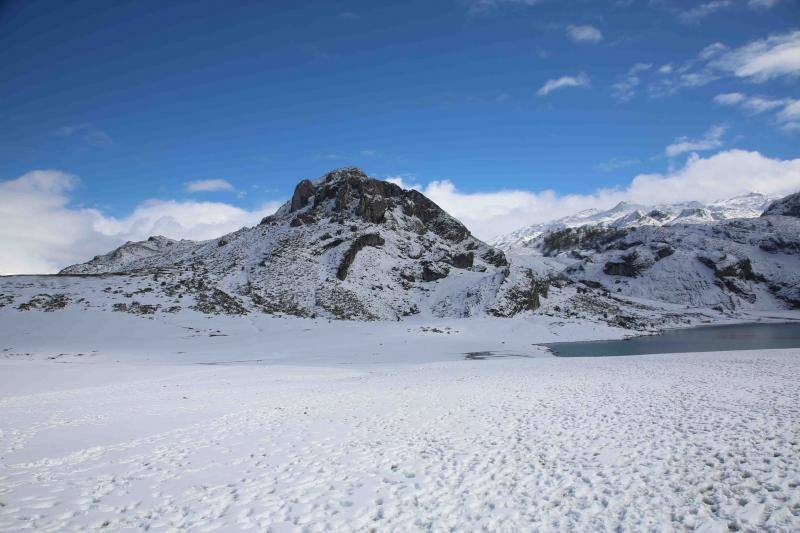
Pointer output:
x,y
581,80
208,185
665,69
40,232
588,34
723,175
777,55
729,98
694,15
711,140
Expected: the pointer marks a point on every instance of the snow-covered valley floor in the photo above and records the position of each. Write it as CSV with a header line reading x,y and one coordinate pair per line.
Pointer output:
x,y
405,435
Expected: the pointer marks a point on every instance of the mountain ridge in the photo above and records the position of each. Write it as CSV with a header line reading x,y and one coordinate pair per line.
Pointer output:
x,y
348,246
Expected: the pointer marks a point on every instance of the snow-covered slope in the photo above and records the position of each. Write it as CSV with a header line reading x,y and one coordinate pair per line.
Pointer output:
x,y
344,246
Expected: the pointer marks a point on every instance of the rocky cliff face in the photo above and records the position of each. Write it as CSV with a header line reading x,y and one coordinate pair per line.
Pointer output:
x,y
344,246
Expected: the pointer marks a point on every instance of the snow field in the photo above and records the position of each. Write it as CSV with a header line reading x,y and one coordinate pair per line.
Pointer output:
x,y
707,441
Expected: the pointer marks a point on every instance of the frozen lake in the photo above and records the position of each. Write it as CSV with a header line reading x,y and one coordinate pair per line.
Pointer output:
x,y
699,339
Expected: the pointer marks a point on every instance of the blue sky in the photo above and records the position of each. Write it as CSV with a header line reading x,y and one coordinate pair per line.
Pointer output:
x,y
136,100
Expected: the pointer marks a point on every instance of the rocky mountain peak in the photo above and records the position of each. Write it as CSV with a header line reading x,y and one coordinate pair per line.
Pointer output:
x,y
349,195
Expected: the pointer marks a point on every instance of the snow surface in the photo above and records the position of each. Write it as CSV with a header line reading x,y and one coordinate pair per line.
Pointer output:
x,y
119,422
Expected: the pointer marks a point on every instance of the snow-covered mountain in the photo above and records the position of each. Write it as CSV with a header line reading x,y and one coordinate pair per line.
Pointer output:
x,y
349,246
625,215
698,258
344,246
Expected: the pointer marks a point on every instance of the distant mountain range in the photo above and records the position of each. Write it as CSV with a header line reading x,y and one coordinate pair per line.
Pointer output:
x,y
348,246
626,215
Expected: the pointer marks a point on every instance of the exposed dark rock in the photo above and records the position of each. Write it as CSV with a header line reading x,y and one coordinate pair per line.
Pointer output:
x,y
354,193
582,238
343,304
523,297
630,266
330,245
302,193
775,244
742,269
216,302
136,308
788,206
708,262
434,271
658,215
371,239
45,302
495,257
464,260
663,252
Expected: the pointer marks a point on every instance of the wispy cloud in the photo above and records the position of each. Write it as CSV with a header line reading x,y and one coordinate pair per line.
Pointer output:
x,y
757,61
586,34
787,116
764,59
87,133
701,11
208,185
711,140
625,89
581,80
